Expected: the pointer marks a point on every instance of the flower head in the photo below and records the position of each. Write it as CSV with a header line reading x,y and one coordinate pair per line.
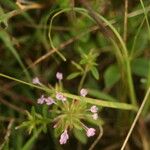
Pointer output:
x,y
90,132
64,137
60,96
83,92
49,101
95,116
59,75
41,100
94,109
36,81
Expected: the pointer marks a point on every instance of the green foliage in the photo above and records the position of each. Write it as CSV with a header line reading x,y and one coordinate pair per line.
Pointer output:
x,y
94,55
35,121
79,134
111,76
140,67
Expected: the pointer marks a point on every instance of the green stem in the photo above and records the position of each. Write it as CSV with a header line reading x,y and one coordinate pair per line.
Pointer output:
x,y
102,103
26,83
130,83
99,102
82,79
136,118
30,142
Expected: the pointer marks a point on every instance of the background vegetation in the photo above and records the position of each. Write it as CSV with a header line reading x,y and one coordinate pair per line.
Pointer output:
x,y
99,45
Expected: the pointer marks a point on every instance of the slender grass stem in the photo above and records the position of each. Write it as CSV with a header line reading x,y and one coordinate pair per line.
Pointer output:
x,y
97,139
82,79
98,102
130,83
125,21
136,119
145,14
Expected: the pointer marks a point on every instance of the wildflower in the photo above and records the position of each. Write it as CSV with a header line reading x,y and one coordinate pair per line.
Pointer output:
x,y
60,96
64,137
41,100
94,109
59,76
95,116
49,101
90,132
36,81
83,92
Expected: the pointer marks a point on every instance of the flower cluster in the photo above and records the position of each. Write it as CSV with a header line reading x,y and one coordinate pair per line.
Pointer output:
x,y
47,100
67,110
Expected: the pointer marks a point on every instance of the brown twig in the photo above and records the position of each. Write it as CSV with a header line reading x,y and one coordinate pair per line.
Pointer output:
x,y
6,138
125,21
61,46
102,27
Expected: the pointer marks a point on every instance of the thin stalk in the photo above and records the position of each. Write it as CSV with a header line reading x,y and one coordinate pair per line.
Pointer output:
x,y
125,21
135,39
136,119
99,102
130,83
82,79
6,138
30,142
97,139
146,18
26,83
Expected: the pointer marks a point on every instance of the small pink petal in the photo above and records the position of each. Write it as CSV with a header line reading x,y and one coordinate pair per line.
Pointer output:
x,y
41,100
59,75
90,132
64,137
36,81
49,101
94,109
83,92
95,116
60,96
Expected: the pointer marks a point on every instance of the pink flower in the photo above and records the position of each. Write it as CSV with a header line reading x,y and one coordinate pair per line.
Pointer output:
x,y
49,101
90,132
95,116
64,137
60,96
36,81
94,109
41,100
83,92
59,75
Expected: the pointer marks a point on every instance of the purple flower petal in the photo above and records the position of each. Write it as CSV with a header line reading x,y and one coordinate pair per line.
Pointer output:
x,y
49,101
95,116
59,75
64,137
41,100
83,92
36,81
94,109
60,96
90,132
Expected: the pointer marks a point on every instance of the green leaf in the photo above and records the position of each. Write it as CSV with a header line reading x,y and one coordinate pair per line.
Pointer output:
x,y
111,76
100,94
63,3
4,36
32,140
73,75
3,18
80,135
95,73
77,65
140,67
